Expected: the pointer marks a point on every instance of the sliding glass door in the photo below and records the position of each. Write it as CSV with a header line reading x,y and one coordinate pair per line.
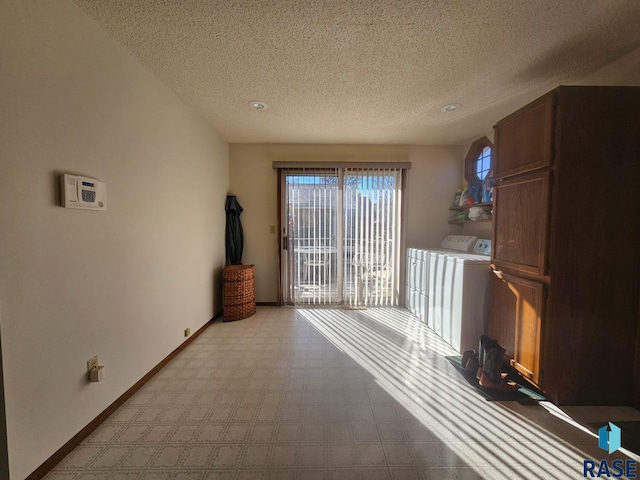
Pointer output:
x,y
311,221
341,230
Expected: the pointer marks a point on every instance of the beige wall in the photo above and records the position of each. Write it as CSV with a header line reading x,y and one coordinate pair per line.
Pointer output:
x,y
431,184
122,284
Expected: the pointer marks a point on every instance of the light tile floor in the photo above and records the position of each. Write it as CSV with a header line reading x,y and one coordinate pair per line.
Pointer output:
x,y
311,394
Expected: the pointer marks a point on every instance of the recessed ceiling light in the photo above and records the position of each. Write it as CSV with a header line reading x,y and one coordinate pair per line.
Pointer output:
x,y
258,105
451,107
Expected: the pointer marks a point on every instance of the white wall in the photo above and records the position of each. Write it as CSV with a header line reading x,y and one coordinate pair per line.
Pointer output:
x,y
122,284
431,184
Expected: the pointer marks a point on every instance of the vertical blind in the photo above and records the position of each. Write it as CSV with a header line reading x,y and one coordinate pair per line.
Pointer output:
x,y
342,234
371,236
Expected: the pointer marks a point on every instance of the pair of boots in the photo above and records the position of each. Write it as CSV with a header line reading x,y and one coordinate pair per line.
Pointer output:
x,y
487,363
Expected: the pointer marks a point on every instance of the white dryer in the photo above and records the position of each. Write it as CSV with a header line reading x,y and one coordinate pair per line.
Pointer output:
x,y
447,288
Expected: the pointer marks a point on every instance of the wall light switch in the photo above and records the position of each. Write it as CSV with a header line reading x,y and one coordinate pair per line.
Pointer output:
x,y
272,229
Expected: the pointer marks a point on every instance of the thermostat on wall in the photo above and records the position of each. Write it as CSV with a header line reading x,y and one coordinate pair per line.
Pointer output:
x,y
83,192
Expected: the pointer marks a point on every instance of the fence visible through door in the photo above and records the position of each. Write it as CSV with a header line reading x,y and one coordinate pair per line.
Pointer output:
x,y
341,231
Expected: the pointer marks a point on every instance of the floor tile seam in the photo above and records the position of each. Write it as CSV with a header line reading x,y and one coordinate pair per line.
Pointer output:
x,y
90,465
150,461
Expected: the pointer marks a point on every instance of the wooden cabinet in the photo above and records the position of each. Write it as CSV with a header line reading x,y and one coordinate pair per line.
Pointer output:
x,y
521,303
524,138
565,239
521,226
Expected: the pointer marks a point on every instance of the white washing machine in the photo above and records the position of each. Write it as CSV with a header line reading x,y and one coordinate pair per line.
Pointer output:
x,y
447,288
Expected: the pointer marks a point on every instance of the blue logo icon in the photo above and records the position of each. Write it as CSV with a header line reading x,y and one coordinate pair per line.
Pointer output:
x,y
610,437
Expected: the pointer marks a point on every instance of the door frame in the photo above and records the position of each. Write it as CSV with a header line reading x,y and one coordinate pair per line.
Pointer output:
x,y
281,166
285,270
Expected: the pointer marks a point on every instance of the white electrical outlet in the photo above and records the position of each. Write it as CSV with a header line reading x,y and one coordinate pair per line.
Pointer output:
x,y
187,332
92,363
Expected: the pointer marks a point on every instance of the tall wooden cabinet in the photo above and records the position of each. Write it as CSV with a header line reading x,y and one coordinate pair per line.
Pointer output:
x,y
566,244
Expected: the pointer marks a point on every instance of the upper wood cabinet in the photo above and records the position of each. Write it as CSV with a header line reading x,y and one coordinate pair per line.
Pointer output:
x,y
525,138
521,208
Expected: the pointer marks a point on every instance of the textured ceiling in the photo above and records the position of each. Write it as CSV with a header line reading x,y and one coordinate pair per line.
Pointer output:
x,y
372,71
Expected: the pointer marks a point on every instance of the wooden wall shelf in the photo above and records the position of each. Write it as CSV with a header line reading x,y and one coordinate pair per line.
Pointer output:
x,y
460,222
465,208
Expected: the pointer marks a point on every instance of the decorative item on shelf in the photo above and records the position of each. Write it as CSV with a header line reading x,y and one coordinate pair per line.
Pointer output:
x,y
469,205
487,190
479,213
474,193
464,198
471,195
456,199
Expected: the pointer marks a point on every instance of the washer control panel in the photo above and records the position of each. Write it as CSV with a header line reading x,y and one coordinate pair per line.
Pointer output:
x,y
482,246
461,243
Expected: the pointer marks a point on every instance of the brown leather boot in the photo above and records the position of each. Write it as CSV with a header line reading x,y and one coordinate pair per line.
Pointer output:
x,y
466,356
484,341
472,366
491,375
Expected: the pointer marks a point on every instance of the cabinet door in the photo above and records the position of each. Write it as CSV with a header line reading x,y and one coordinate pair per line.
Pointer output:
x,y
516,311
521,208
523,139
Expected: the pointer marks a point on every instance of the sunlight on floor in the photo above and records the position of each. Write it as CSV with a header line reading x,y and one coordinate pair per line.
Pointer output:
x,y
407,359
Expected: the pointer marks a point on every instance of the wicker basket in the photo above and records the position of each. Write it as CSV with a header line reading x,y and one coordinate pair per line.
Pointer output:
x,y
239,292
